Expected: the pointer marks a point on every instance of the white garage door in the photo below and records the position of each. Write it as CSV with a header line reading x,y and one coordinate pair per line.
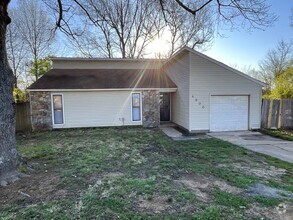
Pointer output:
x,y
229,113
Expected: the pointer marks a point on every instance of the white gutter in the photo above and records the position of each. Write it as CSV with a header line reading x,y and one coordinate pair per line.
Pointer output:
x,y
93,90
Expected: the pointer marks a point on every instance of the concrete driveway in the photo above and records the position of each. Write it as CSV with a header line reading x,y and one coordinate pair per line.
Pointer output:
x,y
258,142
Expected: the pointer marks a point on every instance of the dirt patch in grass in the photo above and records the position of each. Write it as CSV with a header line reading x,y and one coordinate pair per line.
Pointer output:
x,y
285,211
97,179
156,204
260,212
197,185
202,185
112,175
267,172
267,191
226,187
282,212
38,187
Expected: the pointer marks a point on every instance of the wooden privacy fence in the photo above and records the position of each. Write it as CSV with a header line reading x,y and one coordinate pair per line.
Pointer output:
x,y
23,120
277,113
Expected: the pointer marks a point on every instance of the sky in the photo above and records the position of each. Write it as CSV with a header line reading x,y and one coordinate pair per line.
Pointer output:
x,y
240,48
246,49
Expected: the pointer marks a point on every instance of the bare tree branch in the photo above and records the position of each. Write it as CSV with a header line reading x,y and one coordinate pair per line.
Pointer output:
x,y
249,13
276,62
192,11
124,27
60,18
34,26
16,48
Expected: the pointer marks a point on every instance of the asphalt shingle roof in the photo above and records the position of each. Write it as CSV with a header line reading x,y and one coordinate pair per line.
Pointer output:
x,y
103,79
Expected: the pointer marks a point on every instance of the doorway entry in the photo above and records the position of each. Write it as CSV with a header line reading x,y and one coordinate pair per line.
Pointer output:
x,y
165,106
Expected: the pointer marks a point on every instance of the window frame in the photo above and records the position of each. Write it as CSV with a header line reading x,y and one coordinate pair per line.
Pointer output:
x,y
140,107
52,108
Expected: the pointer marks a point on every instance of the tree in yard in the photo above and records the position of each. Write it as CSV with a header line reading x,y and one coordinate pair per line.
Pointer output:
x,y
283,85
275,63
35,28
248,14
8,153
123,28
185,30
43,65
254,13
16,48
20,95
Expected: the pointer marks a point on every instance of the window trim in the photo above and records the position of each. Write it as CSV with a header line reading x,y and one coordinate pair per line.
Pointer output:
x,y
140,106
52,109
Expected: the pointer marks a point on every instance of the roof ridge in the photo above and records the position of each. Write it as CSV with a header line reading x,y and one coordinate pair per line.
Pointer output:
x,y
105,59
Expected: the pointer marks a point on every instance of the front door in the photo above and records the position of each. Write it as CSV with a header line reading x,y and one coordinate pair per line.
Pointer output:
x,y
164,106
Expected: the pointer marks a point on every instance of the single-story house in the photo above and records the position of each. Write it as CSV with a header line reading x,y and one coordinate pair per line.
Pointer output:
x,y
190,89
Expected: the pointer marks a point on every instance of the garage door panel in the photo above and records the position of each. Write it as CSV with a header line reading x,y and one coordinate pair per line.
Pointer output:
x,y
229,113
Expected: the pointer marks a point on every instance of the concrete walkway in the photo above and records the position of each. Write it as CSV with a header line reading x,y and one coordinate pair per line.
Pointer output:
x,y
171,131
258,142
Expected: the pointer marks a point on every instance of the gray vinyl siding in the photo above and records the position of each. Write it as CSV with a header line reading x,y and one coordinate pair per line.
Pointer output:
x,y
178,71
208,78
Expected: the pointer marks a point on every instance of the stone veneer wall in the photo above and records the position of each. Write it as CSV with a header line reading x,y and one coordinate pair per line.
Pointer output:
x,y
150,108
41,115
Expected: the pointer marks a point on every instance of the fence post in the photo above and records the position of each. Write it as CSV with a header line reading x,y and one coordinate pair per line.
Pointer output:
x,y
270,113
265,113
280,114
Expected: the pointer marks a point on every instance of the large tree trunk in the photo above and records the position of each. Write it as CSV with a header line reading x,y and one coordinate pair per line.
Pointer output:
x,y
8,153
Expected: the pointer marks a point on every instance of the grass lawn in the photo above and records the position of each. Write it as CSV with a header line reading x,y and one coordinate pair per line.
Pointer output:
x,y
136,173
283,134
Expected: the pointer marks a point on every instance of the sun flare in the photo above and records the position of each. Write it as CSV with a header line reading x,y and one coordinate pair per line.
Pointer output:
x,y
159,46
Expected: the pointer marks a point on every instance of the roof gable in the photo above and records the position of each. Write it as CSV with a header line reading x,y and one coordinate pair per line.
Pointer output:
x,y
188,49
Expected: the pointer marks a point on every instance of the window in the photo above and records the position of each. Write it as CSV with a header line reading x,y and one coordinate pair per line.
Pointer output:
x,y
57,109
136,107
